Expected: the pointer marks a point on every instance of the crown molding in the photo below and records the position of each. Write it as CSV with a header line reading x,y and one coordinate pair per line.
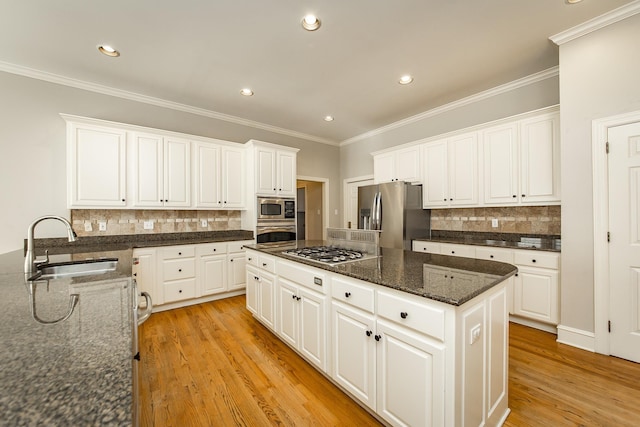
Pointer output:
x,y
158,102
597,23
525,81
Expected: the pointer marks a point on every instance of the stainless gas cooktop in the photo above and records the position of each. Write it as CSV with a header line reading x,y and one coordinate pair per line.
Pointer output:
x,y
327,254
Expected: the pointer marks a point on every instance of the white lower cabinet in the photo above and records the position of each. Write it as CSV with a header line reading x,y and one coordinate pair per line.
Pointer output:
x,y
182,275
266,290
532,294
302,321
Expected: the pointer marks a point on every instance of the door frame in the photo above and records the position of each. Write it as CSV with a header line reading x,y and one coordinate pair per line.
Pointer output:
x,y
601,285
325,199
345,195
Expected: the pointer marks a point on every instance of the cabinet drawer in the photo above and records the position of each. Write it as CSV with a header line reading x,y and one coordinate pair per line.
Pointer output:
x,y
238,246
252,258
420,317
185,251
309,277
211,249
493,254
429,247
465,251
179,290
175,269
351,292
267,262
536,259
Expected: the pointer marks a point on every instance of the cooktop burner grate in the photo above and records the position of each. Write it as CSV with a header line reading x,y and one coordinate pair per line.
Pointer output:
x,y
326,254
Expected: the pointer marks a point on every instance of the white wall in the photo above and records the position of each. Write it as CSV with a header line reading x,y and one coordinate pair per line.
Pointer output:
x,y
32,148
599,77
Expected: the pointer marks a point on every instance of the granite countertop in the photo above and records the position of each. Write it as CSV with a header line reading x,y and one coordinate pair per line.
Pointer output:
x,y
78,371
448,279
549,243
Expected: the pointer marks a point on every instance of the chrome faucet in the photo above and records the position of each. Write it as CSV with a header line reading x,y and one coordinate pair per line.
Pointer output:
x,y
30,262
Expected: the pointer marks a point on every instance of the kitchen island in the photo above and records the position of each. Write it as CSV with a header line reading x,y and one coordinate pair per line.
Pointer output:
x,y
79,370
417,339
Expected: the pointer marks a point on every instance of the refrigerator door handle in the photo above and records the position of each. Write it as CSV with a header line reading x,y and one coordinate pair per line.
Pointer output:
x,y
378,204
372,217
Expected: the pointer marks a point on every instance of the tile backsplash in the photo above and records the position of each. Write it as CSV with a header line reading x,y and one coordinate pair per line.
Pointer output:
x,y
120,221
520,219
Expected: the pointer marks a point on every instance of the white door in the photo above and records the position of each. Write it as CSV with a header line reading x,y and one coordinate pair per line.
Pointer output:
x,y
624,248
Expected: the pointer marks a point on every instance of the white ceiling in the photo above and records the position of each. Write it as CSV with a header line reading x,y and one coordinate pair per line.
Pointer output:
x,y
200,53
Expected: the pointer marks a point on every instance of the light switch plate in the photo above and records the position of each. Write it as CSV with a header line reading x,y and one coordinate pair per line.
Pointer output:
x,y
102,225
203,223
494,222
87,226
475,334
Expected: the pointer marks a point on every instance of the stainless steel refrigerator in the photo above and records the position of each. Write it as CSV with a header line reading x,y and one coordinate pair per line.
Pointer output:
x,y
395,208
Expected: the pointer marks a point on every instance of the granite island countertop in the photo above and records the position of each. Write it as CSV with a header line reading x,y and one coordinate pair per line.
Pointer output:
x,y
549,243
79,371
448,279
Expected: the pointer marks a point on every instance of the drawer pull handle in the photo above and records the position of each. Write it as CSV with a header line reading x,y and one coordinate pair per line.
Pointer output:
x,y
369,333
404,314
347,294
264,264
377,337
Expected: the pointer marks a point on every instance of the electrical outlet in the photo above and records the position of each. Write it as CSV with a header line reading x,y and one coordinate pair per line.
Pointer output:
x,y
475,334
102,225
148,225
87,226
203,223
494,222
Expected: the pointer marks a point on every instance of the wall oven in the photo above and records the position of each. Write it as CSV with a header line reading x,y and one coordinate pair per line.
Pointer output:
x,y
275,232
276,209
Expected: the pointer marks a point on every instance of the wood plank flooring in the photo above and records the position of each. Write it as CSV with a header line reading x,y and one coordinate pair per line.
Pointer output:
x,y
214,365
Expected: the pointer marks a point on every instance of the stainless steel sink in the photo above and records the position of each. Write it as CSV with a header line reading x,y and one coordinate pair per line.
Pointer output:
x,y
76,268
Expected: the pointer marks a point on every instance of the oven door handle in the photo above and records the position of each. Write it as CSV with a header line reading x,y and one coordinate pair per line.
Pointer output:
x,y
147,312
270,229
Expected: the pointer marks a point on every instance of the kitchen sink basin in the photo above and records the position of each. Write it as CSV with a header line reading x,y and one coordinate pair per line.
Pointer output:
x,y
75,268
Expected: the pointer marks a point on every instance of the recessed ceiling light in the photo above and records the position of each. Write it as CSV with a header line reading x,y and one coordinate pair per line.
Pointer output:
x,y
246,92
310,22
573,1
328,118
405,80
108,50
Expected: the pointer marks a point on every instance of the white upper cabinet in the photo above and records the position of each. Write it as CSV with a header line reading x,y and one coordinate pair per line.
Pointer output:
x,y
397,165
275,170
522,162
451,172
501,183
162,174
96,166
219,176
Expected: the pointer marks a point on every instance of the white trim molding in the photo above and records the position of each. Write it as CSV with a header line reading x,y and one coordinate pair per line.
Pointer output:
x,y
158,102
597,23
525,81
599,136
576,338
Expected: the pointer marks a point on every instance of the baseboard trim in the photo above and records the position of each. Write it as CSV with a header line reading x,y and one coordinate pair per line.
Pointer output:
x,y
186,303
584,340
533,324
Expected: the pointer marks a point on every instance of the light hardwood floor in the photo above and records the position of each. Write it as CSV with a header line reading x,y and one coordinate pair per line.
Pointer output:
x,y
214,365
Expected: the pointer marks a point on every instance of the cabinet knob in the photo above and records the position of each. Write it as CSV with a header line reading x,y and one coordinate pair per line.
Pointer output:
x,y
135,274
180,291
214,249
377,337
256,278
264,264
369,333
293,297
219,201
453,252
514,196
179,270
249,258
490,256
347,294
274,189
231,260
523,195
445,200
298,298
516,274
451,200
533,260
279,189
179,253
404,314
123,200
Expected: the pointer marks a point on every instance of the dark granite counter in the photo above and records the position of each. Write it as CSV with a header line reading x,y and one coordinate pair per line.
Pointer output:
x,y
78,371
452,280
502,240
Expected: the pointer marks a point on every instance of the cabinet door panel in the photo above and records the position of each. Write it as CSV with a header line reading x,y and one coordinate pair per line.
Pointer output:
x,y
463,174
536,294
266,173
97,171
207,178
267,300
212,274
148,171
411,374
177,182
383,168
288,312
252,281
407,165
312,327
540,159
286,173
435,188
233,178
500,146
354,353
235,271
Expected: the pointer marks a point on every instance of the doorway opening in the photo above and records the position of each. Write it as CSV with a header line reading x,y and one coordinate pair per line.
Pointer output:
x,y
312,208
350,191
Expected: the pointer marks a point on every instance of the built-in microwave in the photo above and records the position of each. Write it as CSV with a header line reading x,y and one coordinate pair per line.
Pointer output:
x,y
276,209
